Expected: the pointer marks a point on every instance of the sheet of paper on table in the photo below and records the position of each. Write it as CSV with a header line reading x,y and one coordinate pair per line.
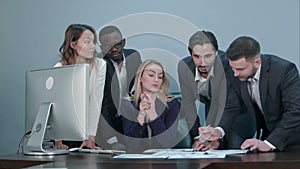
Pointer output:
x,y
180,154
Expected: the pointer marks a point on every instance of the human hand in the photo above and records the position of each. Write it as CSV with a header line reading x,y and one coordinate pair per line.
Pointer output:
x,y
205,145
209,133
209,138
148,106
90,143
59,145
145,103
254,144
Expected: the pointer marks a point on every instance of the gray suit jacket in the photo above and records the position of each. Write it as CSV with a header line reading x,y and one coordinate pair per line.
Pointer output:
x,y
217,91
280,97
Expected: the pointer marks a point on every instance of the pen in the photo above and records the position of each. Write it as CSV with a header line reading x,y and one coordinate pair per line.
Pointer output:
x,y
197,137
206,141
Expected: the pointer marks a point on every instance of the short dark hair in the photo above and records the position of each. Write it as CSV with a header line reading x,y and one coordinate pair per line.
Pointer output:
x,y
109,29
202,37
243,46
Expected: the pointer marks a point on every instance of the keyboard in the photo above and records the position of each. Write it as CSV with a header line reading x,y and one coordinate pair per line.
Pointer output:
x,y
84,150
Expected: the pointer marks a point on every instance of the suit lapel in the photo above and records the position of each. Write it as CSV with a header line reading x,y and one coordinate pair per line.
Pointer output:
x,y
110,68
192,66
130,69
245,94
215,81
217,93
263,81
112,76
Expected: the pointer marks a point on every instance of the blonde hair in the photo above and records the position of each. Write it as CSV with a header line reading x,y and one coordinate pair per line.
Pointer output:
x,y
162,94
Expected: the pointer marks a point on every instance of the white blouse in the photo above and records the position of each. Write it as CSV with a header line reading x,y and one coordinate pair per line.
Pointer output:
x,y
97,81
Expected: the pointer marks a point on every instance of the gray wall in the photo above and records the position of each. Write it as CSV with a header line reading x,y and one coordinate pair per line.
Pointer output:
x,y
31,32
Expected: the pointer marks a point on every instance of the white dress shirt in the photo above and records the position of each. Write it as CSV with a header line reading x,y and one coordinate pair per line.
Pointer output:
x,y
122,76
203,83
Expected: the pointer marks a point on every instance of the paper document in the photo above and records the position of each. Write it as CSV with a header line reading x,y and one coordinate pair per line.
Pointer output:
x,y
227,152
140,156
181,154
185,154
173,150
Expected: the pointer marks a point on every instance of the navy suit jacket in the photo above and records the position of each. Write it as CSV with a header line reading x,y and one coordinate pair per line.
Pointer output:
x,y
280,98
163,128
110,123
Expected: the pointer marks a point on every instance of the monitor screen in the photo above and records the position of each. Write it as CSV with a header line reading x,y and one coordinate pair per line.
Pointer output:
x,y
56,105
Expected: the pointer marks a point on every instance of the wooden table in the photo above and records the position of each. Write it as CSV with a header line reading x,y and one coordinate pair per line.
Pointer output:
x,y
274,160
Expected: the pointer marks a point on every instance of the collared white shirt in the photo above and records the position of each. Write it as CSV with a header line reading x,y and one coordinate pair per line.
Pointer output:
x,y
253,88
255,95
202,83
122,76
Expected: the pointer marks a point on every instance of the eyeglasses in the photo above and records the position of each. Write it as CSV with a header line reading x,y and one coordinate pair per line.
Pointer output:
x,y
117,45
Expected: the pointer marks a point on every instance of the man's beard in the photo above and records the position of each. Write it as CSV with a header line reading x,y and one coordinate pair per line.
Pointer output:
x,y
203,72
254,70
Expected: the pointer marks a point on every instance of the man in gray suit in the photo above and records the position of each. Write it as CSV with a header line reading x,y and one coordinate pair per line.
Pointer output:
x,y
268,88
202,77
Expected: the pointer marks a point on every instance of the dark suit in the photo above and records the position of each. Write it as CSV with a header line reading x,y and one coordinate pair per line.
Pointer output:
x,y
279,87
214,105
110,123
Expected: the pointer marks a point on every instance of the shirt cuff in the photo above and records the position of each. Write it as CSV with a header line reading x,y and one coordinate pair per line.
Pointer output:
x,y
221,130
270,145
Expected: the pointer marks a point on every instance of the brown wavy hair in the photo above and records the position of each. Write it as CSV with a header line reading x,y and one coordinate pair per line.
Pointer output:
x,y
72,34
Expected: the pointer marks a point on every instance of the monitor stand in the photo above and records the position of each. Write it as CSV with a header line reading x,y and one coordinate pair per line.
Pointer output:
x,y
34,144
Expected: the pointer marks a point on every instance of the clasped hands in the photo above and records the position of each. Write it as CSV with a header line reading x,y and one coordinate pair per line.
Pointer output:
x,y
147,109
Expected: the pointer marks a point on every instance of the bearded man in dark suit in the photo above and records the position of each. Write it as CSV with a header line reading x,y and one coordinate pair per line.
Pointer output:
x,y
268,88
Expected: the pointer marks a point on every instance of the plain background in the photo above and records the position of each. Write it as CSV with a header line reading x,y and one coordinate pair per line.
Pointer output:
x,y
31,32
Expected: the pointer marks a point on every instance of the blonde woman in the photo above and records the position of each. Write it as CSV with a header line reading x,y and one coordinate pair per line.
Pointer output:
x,y
151,112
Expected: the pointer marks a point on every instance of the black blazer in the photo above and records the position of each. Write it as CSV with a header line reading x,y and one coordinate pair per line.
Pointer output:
x,y
110,121
280,98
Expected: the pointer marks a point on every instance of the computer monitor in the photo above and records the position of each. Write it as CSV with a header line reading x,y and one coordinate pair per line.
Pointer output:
x,y
56,106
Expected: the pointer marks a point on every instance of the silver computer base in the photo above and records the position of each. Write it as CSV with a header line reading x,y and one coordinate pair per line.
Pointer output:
x,y
34,144
46,152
